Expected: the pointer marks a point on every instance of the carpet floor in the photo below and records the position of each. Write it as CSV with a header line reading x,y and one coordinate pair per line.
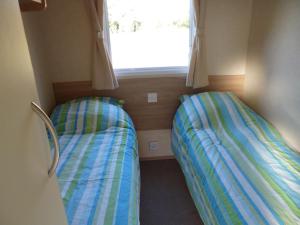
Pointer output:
x,y
165,199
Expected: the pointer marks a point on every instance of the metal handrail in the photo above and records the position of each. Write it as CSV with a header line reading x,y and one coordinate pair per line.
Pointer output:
x,y
36,108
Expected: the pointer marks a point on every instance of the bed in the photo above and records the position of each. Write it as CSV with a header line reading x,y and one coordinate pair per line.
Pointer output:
x,y
238,168
98,172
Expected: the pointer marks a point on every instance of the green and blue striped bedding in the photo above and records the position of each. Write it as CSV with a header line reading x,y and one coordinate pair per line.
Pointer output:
x,y
98,171
238,168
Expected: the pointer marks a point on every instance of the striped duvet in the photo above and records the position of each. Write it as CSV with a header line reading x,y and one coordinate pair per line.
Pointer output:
x,y
238,168
98,172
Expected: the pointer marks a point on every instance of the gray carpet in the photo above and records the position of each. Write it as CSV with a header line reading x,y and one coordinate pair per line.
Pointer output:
x,y
165,199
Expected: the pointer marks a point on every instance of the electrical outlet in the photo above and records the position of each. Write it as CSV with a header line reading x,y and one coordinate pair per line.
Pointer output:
x,y
153,145
152,97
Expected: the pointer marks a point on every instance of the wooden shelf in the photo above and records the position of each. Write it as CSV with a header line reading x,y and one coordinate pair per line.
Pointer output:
x,y
32,5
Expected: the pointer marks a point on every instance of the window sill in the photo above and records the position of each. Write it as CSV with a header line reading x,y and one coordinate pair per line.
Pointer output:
x,y
151,72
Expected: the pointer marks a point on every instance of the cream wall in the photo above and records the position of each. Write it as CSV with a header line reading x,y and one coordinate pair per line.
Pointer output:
x,y
273,78
36,46
67,35
227,29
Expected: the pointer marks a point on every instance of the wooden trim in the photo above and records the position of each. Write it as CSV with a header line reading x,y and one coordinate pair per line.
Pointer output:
x,y
156,158
32,5
134,91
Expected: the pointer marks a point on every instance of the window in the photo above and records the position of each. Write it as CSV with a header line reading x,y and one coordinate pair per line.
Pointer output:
x,y
149,35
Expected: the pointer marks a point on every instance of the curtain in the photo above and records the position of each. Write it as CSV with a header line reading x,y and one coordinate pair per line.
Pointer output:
x,y
103,76
197,76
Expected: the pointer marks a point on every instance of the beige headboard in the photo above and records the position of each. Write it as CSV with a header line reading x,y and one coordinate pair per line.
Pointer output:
x,y
134,91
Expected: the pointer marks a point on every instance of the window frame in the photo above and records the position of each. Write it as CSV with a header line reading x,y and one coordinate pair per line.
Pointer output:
x,y
152,71
177,71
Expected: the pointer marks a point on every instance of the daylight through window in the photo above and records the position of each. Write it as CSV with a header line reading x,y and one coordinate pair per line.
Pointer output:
x,y
149,33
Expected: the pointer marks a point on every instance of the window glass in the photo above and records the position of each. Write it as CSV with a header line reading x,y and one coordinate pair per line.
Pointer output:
x,y
149,33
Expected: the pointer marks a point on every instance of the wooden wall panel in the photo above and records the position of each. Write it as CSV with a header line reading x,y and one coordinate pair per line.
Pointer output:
x,y
149,116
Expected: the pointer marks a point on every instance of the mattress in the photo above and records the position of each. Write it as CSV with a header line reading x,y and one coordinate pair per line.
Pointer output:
x,y
237,166
98,172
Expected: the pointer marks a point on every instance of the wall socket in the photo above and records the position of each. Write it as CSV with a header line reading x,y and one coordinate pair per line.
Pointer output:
x,y
152,97
153,145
